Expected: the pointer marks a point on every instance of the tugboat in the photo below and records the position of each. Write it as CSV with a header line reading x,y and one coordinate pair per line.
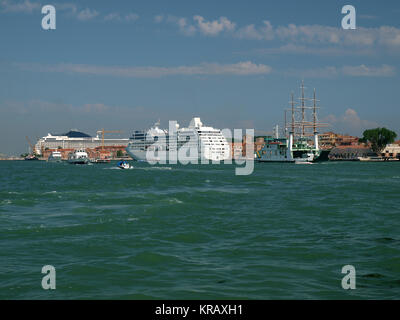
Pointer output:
x,y
124,165
31,157
79,156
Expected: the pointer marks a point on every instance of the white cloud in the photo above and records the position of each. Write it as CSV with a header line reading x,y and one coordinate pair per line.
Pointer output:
x,y
67,6
131,17
112,17
184,26
241,68
389,36
117,17
23,6
349,71
265,32
364,71
87,14
350,122
292,48
316,35
214,27
199,24
159,18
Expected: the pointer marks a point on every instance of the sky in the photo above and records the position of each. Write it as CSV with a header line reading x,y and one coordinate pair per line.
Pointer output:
x,y
122,65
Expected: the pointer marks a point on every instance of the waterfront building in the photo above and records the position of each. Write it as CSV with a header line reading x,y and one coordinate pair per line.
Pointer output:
x,y
350,153
237,150
328,140
106,153
259,142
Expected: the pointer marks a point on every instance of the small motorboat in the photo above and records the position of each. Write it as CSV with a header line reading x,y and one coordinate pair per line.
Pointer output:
x,y
123,165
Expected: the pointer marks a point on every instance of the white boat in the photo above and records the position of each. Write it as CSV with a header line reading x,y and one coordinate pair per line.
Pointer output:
x,y
79,156
302,161
55,156
371,159
158,144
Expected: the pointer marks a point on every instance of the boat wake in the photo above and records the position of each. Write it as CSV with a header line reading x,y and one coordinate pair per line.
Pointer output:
x,y
153,168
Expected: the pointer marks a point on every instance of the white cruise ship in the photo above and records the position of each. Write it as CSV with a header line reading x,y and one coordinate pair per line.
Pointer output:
x,y
75,139
157,144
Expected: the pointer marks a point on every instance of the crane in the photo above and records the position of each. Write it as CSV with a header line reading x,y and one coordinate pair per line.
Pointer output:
x,y
102,135
30,144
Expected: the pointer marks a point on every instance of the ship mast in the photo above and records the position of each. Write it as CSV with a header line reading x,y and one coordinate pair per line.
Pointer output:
x,y
315,113
292,114
285,127
291,133
302,109
304,120
316,144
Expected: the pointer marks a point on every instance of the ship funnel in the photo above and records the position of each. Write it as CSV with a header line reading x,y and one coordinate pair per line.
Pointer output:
x,y
195,123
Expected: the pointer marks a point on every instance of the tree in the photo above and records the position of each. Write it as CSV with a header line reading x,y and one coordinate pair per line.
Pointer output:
x,y
119,153
378,138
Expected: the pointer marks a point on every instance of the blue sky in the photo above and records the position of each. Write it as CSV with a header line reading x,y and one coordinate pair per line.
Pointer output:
x,y
122,65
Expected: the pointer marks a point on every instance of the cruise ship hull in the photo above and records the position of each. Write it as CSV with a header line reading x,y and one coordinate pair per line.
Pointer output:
x,y
140,155
137,155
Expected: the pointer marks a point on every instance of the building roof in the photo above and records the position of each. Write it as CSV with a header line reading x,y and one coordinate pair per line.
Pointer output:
x,y
74,134
356,150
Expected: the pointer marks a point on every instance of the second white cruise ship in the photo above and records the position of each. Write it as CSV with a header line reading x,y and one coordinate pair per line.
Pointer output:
x,y
196,142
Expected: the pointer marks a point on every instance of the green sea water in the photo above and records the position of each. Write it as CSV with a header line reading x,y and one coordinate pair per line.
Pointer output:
x,y
199,232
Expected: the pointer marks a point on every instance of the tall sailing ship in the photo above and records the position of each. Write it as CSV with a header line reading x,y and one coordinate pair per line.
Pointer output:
x,y
300,141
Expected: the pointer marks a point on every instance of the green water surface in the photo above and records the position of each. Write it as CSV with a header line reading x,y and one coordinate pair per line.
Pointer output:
x,y
199,232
